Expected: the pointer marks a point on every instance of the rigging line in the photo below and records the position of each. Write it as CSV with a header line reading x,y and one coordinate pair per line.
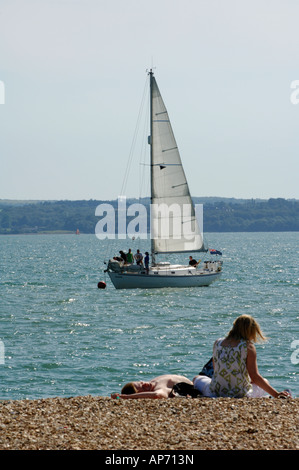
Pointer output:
x,y
177,185
163,164
167,164
144,182
129,162
144,155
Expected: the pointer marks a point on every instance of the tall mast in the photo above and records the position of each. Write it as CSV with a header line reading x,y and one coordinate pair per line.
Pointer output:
x,y
151,74
151,128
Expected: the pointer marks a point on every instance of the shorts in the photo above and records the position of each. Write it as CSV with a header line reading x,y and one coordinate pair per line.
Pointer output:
x,y
202,384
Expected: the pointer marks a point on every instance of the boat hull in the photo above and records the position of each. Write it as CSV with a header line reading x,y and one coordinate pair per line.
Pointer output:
x,y
145,281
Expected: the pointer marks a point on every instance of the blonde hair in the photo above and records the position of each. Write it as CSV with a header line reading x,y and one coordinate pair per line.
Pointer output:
x,y
246,327
129,388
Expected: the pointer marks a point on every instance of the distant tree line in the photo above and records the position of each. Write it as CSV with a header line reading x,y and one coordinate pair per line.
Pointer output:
x,y
273,215
220,215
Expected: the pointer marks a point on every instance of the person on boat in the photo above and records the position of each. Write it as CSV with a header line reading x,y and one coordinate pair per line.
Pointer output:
x,y
159,387
123,256
235,365
138,257
118,258
193,262
146,262
130,259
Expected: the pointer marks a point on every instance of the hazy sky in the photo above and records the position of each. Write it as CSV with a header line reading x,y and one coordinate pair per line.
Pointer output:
x,y
74,71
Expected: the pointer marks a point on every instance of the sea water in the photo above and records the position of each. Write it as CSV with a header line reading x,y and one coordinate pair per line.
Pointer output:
x,y
63,336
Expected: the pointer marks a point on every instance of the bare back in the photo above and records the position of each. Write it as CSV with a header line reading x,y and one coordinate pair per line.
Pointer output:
x,y
168,381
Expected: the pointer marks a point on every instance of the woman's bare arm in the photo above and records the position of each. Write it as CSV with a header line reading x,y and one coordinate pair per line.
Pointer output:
x,y
256,377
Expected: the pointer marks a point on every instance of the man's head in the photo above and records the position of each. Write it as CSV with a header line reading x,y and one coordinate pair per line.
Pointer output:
x,y
136,387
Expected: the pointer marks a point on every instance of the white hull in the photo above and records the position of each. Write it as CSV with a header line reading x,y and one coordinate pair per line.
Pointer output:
x,y
156,280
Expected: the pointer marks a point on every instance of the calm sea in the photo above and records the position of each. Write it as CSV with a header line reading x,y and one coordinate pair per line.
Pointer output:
x,y
62,336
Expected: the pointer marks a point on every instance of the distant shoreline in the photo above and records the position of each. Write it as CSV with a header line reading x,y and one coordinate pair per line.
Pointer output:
x,y
82,234
220,215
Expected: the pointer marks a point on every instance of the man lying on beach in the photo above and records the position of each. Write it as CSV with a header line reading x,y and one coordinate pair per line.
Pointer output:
x,y
159,387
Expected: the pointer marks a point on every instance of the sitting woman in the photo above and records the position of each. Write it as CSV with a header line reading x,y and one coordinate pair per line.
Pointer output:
x,y
235,366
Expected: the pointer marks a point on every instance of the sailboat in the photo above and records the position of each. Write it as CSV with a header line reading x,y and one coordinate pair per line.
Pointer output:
x,y
170,231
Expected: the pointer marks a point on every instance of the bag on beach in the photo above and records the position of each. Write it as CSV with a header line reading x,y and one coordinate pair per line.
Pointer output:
x,y
208,369
182,389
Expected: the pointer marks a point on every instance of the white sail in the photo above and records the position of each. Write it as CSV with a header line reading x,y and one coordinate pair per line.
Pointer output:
x,y
173,221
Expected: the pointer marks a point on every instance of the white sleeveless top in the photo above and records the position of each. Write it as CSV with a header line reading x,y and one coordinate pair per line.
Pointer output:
x,y
230,378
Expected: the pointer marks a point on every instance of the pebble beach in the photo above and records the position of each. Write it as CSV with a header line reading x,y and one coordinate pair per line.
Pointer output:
x,y
101,423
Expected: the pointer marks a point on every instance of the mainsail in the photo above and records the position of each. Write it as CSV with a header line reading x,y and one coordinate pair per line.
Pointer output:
x,y
174,227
